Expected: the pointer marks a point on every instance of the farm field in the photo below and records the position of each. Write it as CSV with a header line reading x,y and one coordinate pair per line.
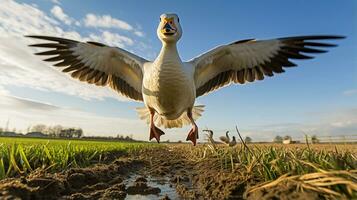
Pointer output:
x,y
22,155
75,169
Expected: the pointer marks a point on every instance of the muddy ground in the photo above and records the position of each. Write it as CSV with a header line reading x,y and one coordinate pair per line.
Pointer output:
x,y
159,173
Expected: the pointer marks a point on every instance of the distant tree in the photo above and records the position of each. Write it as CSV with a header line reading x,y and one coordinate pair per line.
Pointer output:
x,y
79,133
314,139
66,133
278,139
48,130
28,129
39,128
287,137
71,132
56,130
1,130
248,139
120,137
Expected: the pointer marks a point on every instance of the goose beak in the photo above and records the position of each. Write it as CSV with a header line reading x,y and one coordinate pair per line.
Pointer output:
x,y
169,27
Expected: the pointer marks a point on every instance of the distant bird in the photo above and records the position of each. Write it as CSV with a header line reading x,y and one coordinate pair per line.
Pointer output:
x,y
168,86
226,139
210,136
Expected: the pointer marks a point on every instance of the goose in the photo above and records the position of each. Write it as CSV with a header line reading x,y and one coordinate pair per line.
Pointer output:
x,y
226,139
168,86
210,140
209,135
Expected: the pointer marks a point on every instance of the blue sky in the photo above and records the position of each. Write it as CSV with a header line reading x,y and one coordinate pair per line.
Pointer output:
x,y
318,97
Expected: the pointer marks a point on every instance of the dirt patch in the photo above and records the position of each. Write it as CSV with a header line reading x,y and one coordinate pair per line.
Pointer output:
x,y
104,180
157,173
140,187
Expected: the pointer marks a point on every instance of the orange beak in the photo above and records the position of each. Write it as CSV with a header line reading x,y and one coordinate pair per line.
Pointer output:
x,y
169,27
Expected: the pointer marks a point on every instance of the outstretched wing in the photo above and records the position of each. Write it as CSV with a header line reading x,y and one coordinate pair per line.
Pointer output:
x,y
250,60
97,64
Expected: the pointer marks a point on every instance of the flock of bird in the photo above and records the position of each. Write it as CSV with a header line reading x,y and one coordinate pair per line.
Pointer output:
x,y
225,139
167,86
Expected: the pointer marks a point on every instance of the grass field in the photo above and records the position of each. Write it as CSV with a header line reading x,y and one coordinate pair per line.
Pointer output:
x,y
256,171
22,155
329,169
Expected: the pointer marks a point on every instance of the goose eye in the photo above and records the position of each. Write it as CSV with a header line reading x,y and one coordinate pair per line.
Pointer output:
x,y
178,20
160,19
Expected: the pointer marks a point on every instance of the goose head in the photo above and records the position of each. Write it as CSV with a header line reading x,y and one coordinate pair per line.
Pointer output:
x,y
227,135
169,29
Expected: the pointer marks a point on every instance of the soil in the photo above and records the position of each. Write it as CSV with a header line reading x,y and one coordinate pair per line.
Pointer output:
x,y
158,173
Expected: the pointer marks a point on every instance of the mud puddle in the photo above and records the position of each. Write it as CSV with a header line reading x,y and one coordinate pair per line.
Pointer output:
x,y
150,188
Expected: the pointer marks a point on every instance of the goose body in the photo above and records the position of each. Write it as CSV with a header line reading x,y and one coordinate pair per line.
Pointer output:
x,y
168,86
227,140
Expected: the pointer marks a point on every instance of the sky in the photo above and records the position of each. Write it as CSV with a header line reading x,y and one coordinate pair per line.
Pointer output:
x,y
318,97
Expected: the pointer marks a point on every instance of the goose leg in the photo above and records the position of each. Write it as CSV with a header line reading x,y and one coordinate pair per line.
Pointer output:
x,y
193,134
154,131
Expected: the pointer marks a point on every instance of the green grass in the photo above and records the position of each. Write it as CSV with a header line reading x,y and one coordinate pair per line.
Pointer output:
x,y
22,155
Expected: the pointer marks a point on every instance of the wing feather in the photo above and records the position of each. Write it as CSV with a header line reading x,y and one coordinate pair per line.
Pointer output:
x,y
96,63
250,60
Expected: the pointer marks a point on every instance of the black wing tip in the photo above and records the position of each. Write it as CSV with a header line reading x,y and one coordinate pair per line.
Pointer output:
x,y
339,36
30,36
34,45
38,36
96,43
314,37
242,41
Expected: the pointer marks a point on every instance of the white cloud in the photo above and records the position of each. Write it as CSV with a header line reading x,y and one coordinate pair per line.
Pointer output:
x,y
56,2
350,92
17,19
59,14
15,103
25,112
106,21
3,91
18,65
339,122
139,33
112,39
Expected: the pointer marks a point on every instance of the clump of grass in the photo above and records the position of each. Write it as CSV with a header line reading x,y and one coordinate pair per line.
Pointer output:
x,y
332,183
311,167
22,155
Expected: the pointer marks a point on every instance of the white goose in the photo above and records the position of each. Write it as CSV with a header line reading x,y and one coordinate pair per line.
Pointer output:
x,y
227,140
167,86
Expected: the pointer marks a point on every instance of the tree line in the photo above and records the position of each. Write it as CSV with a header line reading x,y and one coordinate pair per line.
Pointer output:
x,y
59,131
50,131
280,139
